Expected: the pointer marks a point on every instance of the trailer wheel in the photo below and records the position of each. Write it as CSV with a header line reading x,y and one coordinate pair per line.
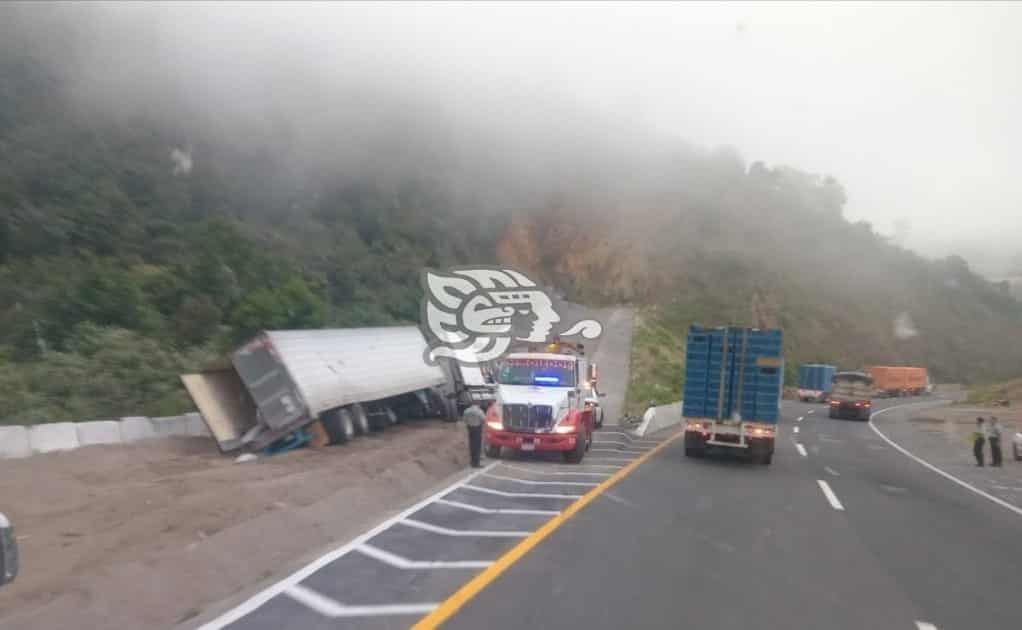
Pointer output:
x,y
338,425
493,451
392,418
359,419
347,425
766,458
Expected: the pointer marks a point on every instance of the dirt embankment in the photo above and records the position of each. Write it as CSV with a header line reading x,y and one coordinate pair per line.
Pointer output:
x,y
957,423
148,535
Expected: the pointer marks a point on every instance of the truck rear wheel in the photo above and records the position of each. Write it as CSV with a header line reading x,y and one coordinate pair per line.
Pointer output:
x,y
576,454
695,451
338,425
359,418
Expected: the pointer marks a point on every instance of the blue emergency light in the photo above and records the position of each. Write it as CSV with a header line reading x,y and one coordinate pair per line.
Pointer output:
x,y
546,380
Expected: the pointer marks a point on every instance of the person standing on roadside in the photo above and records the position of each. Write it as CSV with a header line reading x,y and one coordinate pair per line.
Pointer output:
x,y
474,419
978,438
994,437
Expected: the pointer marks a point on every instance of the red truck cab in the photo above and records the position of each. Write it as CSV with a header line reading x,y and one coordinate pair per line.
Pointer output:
x,y
545,401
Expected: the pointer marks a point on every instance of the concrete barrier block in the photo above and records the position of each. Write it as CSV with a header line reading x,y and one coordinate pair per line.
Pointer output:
x,y
14,441
98,432
53,436
135,428
197,426
665,416
170,426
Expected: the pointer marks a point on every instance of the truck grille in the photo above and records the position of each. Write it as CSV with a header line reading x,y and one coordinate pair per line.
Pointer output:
x,y
518,417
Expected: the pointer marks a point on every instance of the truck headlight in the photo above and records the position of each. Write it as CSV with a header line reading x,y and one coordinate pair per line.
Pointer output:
x,y
495,417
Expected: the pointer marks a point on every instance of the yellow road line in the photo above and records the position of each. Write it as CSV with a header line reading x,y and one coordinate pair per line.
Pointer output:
x,y
463,595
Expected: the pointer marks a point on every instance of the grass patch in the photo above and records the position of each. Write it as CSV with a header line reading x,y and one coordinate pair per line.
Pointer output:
x,y
657,363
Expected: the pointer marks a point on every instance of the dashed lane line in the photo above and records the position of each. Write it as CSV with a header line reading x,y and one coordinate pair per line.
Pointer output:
x,y
482,510
471,533
794,429
622,451
801,450
540,483
519,495
831,471
831,497
925,625
400,562
331,608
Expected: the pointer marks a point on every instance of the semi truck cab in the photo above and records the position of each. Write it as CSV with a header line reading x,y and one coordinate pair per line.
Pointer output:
x,y
545,401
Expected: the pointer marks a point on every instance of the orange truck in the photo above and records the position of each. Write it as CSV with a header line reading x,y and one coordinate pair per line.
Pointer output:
x,y
892,380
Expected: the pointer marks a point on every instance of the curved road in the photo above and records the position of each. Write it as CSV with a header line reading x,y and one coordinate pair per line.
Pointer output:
x,y
722,544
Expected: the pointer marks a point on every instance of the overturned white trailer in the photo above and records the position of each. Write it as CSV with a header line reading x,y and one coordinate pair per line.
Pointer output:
x,y
350,379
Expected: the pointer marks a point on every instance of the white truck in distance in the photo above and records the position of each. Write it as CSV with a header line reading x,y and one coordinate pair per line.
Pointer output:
x,y
545,401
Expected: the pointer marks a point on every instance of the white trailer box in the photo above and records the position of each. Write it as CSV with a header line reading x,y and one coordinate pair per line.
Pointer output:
x,y
282,380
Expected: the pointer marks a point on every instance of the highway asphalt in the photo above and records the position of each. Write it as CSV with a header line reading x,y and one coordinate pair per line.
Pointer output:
x,y
842,531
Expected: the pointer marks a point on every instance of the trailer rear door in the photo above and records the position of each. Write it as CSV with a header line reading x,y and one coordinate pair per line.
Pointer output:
x,y
224,404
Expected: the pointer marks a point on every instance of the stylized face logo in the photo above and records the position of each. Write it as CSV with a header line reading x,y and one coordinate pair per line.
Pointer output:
x,y
474,314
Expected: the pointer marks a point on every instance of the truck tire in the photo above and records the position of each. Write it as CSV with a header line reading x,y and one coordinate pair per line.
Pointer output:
x,y
1017,452
575,455
359,418
492,452
694,451
338,425
766,458
392,418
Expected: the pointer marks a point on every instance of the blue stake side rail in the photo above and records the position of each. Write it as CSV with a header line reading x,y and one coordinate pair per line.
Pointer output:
x,y
732,395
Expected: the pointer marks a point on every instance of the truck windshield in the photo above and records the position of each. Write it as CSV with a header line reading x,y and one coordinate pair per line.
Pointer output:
x,y
537,372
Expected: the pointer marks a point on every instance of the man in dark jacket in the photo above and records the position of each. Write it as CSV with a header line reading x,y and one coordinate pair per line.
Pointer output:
x,y
474,418
978,438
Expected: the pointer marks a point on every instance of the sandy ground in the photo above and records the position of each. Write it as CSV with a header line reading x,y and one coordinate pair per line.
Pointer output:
x,y
155,534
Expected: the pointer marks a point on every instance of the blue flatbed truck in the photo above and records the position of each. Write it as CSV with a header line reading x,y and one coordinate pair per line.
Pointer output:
x,y
814,381
732,395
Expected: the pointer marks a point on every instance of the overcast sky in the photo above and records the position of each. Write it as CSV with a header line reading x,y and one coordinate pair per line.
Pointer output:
x,y
914,108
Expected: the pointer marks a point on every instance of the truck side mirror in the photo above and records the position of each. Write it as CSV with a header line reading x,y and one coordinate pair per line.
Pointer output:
x,y
8,552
